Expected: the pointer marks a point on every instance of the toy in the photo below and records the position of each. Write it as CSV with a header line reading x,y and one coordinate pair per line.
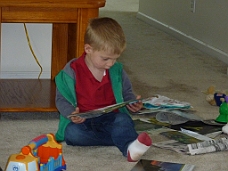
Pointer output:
x,y
223,112
215,97
43,153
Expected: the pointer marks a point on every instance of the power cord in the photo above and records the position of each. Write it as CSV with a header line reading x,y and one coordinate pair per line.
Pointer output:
x,y
31,49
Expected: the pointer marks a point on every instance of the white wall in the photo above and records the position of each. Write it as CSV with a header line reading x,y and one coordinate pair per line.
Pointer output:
x,y
17,60
206,28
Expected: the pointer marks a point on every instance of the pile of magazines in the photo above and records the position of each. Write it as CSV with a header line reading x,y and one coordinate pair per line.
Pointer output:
x,y
158,102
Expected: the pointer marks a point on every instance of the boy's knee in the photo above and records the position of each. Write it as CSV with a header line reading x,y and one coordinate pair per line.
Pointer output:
x,y
70,134
70,137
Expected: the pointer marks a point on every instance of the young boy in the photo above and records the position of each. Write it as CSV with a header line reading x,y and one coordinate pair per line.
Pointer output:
x,y
96,80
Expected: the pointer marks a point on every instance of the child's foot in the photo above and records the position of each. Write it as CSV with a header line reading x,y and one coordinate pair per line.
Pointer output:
x,y
138,147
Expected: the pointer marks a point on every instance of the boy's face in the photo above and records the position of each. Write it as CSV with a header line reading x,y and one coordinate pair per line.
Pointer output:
x,y
100,59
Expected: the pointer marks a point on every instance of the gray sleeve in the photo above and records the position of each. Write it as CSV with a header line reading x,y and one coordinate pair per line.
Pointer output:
x,y
62,104
128,93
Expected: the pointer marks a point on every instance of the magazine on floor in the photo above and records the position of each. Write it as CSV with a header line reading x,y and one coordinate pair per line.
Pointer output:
x,y
154,165
180,137
169,110
159,102
210,146
181,143
172,145
142,125
199,127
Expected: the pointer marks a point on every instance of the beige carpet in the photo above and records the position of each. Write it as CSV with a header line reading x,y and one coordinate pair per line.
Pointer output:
x,y
157,64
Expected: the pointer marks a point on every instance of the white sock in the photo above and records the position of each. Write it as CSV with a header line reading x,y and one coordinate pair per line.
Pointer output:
x,y
138,147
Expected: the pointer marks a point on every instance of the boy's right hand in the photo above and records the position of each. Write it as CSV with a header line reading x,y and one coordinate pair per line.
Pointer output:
x,y
77,119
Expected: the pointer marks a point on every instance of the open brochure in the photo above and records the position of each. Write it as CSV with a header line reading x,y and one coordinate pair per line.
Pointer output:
x,y
107,109
154,165
152,104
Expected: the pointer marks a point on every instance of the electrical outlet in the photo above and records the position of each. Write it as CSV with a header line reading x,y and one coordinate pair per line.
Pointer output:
x,y
193,6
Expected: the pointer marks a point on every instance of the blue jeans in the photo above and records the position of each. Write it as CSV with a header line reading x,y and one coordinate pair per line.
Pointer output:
x,y
112,129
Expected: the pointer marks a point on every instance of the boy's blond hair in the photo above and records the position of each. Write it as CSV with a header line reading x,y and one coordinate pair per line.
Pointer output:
x,y
105,34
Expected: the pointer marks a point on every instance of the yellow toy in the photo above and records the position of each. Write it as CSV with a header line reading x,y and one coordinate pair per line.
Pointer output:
x,y
215,97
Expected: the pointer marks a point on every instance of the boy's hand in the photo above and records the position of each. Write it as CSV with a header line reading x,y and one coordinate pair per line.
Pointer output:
x,y
135,107
77,119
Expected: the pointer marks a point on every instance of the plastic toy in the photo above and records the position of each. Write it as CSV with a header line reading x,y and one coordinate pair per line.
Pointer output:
x,y
43,153
223,112
215,97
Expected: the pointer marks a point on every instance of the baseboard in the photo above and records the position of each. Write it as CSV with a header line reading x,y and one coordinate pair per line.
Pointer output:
x,y
212,51
24,75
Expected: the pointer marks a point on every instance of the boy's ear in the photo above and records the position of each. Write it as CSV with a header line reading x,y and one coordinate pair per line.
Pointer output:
x,y
87,48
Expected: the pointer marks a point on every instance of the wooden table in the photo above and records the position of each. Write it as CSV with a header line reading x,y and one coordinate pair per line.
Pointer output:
x,y
69,18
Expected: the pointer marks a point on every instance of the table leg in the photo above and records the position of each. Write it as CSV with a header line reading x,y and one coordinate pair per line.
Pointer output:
x,y
0,35
68,39
83,17
59,47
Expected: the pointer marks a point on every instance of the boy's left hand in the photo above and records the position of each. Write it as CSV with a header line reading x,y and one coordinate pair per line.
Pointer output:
x,y
76,119
135,107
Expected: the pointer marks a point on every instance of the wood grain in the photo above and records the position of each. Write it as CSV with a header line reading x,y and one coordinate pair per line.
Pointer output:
x,y
27,95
